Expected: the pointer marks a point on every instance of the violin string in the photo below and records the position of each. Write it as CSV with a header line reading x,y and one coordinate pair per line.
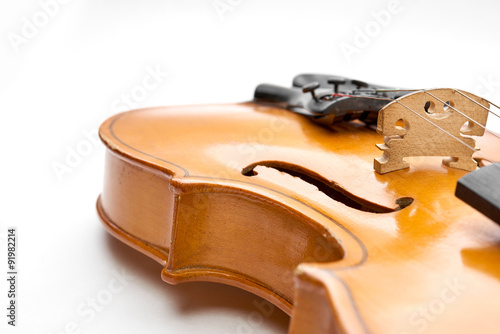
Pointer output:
x,y
479,104
385,90
446,132
435,125
456,90
461,113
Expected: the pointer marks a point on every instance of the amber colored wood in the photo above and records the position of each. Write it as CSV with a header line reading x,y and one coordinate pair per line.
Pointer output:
x,y
213,194
444,107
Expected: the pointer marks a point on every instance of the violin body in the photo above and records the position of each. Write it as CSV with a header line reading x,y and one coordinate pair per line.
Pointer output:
x,y
264,199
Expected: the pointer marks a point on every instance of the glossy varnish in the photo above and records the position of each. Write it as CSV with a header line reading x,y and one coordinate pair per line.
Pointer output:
x,y
266,200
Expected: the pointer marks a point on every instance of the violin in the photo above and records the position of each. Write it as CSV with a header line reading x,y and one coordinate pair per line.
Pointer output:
x,y
287,196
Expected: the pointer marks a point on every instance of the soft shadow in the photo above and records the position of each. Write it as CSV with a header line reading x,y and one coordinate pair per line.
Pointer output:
x,y
483,259
194,297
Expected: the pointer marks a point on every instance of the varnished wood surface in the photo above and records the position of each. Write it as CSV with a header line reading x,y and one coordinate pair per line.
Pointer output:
x,y
174,189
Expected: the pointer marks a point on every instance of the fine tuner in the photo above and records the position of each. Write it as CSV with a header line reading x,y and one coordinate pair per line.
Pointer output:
x,y
442,123
312,95
360,100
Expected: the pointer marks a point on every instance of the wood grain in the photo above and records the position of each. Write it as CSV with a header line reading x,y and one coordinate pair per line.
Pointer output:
x,y
435,122
175,189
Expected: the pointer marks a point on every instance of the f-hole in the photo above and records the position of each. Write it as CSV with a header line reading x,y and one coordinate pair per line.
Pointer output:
x,y
330,189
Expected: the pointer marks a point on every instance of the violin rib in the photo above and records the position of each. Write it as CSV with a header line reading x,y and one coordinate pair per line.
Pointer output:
x,y
251,195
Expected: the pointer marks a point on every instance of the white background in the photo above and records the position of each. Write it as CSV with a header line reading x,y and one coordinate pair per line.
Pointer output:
x,y
71,74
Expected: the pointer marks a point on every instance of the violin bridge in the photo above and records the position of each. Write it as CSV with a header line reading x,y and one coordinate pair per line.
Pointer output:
x,y
436,122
